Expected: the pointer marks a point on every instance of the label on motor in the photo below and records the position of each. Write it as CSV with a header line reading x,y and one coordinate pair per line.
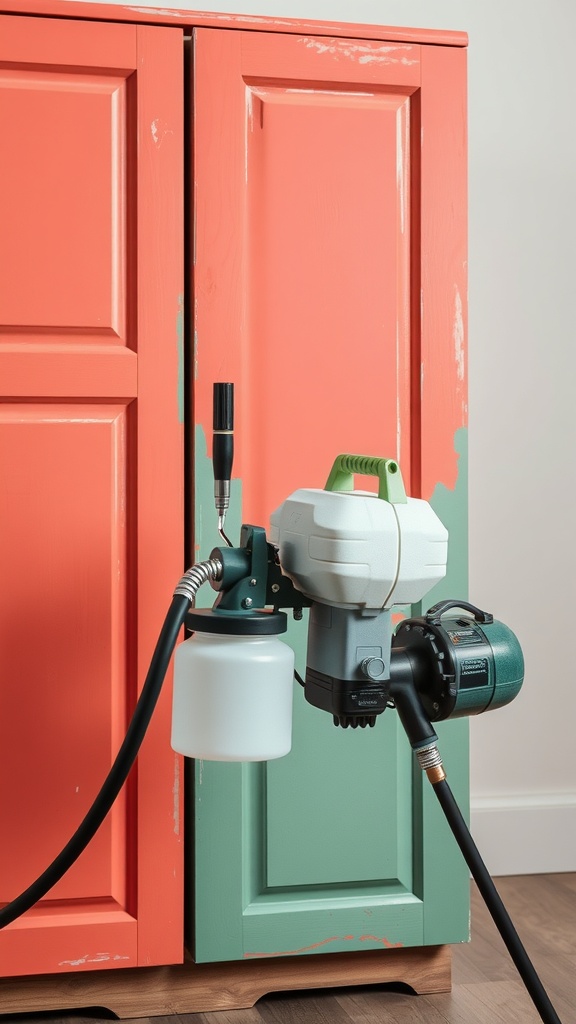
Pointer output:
x,y
473,673
465,637
369,699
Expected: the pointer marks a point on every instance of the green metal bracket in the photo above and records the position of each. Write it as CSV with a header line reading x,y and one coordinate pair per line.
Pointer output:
x,y
390,483
245,570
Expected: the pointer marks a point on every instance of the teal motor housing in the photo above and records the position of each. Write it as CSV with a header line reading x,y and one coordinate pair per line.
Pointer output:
x,y
463,663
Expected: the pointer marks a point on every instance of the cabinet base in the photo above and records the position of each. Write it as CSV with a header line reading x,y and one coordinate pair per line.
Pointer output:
x,y
200,988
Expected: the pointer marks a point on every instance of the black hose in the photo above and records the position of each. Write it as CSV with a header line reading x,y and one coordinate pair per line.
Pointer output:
x,y
118,773
494,903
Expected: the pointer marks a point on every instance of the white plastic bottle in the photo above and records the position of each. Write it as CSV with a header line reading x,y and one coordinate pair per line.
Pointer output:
x,y
233,697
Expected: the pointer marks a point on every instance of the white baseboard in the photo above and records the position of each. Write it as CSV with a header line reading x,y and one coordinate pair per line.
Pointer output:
x,y
520,835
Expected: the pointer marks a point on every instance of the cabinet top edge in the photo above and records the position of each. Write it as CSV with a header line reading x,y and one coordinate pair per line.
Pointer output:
x,y
82,9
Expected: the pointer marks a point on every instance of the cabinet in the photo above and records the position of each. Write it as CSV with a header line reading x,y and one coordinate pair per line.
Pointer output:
x,y
327,279
91,437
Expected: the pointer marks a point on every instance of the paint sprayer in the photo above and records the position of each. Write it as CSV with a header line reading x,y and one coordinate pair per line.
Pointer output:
x,y
352,558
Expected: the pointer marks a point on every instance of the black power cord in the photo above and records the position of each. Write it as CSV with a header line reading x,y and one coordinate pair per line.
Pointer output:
x,y
494,903
118,773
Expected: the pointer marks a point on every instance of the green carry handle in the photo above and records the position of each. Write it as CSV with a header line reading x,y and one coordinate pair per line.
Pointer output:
x,y
390,483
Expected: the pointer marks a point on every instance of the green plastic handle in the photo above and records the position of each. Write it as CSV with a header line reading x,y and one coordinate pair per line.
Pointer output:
x,y
390,483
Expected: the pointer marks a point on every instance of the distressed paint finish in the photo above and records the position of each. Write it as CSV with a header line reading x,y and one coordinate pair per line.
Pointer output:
x,y
330,286
443,300
91,212
207,19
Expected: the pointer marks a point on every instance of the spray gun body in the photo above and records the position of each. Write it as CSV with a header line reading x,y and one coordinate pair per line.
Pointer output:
x,y
352,557
357,555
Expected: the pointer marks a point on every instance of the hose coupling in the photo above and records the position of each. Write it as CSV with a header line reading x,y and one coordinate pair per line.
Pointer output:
x,y
430,762
198,574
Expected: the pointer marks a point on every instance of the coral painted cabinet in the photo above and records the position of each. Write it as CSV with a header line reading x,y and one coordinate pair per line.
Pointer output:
x,y
91,466
330,284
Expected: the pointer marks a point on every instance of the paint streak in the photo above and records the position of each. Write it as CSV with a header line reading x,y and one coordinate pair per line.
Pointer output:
x,y
180,350
316,945
383,941
398,398
401,140
176,795
458,334
184,15
361,53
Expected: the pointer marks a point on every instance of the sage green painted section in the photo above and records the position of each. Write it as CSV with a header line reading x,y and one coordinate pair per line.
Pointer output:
x,y
205,517
346,789
445,885
452,508
341,845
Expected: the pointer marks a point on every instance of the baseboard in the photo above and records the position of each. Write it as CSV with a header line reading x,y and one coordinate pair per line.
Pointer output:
x,y
519,835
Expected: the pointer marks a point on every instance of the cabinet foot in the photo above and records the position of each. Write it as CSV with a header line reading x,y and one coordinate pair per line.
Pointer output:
x,y
200,988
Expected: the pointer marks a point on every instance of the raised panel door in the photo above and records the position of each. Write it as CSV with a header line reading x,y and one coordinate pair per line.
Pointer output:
x,y
329,285
91,466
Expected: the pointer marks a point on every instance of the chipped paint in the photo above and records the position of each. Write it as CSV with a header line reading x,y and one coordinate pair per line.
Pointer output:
x,y
458,334
361,53
159,130
96,958
383,941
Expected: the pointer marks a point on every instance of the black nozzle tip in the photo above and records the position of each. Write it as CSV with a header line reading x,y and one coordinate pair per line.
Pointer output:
x,y
223,406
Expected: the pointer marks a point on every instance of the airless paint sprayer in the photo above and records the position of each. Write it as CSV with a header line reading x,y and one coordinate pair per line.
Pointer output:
x,y
351,557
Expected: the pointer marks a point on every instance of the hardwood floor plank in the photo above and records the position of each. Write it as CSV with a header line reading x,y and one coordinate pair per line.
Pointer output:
x,y
316,1007
386,1006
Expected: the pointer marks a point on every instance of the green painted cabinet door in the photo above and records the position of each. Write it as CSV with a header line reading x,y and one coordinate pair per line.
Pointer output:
x,y
329,285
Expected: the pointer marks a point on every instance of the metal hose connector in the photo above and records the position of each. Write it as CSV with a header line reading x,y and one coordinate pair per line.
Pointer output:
x,y
430,762
198,574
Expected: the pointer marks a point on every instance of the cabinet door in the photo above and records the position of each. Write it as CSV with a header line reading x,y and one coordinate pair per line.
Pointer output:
x,y
90,453
330,247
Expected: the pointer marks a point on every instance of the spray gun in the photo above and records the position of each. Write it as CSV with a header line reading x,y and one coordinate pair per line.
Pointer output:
x,y
352,557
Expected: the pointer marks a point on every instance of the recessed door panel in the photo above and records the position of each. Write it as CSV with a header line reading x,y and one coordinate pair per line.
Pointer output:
x,y
65,473
62,203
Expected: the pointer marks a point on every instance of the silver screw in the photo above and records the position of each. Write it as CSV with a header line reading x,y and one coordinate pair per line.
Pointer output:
x,y
253,583
275,588
247,602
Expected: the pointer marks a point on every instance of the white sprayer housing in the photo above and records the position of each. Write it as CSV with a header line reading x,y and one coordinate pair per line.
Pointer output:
x,y
353,549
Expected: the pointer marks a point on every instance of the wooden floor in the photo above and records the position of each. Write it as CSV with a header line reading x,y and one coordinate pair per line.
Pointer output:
x,y
486,988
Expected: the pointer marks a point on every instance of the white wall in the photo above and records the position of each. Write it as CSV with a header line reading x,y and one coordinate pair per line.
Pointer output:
x,y
522,394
